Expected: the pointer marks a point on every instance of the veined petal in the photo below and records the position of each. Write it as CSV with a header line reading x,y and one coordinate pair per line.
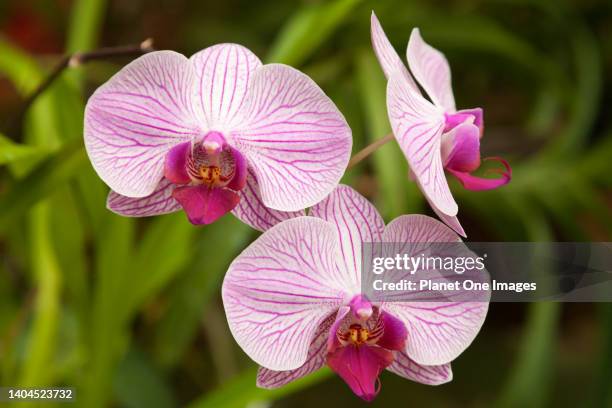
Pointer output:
x,y
405,367
224,72
316,359
135,118
438,331
430,67
388,58
294,137
159,202
252,211
451,221
332,340
279,290
356,221
417,126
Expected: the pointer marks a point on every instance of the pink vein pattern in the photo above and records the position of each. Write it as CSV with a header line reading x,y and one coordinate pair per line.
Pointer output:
x,y
405,367
418,126
356,221
294,137
252,211
159,202
223,75
388,58
315,360
136,117
278,291
430,67
438,332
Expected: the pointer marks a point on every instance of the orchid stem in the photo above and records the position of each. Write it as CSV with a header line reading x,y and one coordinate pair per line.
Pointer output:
x,y
368,150
78,59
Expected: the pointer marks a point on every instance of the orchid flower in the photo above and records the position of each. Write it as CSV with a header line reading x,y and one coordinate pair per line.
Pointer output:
x,y
214,133
294,302
434,136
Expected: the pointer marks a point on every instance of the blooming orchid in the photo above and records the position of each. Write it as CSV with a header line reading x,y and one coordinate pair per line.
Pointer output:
x,y
294,302
434,136
215,133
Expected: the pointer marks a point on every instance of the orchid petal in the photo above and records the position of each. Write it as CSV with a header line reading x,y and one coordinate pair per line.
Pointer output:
x,y
394,335
316,359
175,166
430,67
135,118
464,152
478,115
240,174
224,72
388,58
451,221
159,202
332,340
252,211
417,126
405,367
478,183
279,290
294,138
438,331
205,205
356,221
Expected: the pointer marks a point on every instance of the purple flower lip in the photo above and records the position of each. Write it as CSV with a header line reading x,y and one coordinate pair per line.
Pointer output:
x,y
208,174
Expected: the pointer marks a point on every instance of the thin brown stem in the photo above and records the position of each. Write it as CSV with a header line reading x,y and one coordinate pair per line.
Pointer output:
x,y
77,59
368,150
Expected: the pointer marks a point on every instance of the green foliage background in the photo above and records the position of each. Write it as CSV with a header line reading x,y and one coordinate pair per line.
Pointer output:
x,y
128,311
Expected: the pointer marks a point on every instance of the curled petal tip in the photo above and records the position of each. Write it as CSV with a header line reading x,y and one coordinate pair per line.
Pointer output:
x,y
474,183
507,173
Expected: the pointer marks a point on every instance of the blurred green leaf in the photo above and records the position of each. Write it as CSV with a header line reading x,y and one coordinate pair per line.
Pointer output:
x,y
41,344
197,285
85,24
242,391
584,99
163,252
108,337
42,181
529,383
11,152
139,384
308,29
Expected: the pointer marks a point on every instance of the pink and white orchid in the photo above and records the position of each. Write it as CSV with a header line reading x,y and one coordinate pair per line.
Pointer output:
x,y
294,302
434,136
214,133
